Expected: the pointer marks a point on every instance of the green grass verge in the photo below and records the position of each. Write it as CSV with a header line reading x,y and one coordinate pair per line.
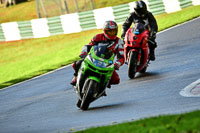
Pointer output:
x,y
182,123
21,60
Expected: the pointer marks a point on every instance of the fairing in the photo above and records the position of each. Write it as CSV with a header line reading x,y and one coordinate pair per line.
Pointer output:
x,y
136,40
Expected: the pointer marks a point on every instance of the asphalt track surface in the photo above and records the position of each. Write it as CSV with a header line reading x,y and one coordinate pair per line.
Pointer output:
x,y
47,104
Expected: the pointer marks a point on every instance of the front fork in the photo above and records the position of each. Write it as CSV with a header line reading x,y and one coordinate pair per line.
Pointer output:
x,y
127,57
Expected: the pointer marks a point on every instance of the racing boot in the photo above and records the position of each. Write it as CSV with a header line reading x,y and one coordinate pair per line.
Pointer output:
x,y
152,46
109,85
104,94
152,55
73,82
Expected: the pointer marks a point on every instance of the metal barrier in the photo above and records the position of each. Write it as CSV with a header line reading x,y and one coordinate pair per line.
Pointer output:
x,y
156,6
55,25
185,3
121,12
77,22
25,29
87,20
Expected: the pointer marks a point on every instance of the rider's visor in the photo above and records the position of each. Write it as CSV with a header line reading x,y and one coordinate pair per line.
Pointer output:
x,y
141,12
111,32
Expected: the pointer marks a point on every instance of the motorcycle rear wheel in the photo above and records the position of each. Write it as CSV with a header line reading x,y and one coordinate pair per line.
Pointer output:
x,y
132,65
89,86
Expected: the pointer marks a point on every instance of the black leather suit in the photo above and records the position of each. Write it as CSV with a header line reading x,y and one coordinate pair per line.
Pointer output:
x,y
149,21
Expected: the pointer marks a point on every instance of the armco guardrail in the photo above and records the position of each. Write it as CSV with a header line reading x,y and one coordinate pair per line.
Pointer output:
x,y
77,22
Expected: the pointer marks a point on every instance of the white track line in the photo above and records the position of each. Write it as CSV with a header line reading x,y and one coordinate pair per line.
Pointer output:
x,y
192,90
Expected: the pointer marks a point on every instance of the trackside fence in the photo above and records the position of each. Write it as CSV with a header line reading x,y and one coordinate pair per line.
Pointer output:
x,y
81,21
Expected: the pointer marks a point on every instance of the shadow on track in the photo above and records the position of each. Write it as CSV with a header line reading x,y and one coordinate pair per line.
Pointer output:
x,y
106,107
147,75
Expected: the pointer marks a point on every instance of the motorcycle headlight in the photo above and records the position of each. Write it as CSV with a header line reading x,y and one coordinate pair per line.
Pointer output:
x,y
133,42
99,63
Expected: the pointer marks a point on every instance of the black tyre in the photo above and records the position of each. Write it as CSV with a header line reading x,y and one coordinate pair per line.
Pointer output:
x,y
132,65
78,104
87,96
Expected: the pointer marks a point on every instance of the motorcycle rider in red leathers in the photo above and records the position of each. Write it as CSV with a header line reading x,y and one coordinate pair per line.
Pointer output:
x,y
142,15
108,37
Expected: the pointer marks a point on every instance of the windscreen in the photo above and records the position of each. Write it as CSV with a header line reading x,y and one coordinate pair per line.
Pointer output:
x,y
101,50
138,28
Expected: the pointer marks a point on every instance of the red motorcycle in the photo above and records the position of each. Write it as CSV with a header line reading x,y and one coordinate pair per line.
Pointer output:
x,y
136,49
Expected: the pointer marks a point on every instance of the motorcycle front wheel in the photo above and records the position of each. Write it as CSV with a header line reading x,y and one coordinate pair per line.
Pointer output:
x,y
78,104
132,64
88,87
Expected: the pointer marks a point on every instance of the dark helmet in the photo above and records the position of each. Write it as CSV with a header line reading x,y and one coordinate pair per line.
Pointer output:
x,y
110,29
140,8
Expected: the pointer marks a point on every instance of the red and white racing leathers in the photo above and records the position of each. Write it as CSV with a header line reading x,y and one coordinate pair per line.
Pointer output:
x,y
117,46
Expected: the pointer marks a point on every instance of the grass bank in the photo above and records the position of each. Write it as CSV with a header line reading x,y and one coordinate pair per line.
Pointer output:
x,y
182,123
27,10
21,60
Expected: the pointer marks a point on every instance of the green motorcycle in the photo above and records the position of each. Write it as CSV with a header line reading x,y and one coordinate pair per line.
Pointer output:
x,y
94,75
